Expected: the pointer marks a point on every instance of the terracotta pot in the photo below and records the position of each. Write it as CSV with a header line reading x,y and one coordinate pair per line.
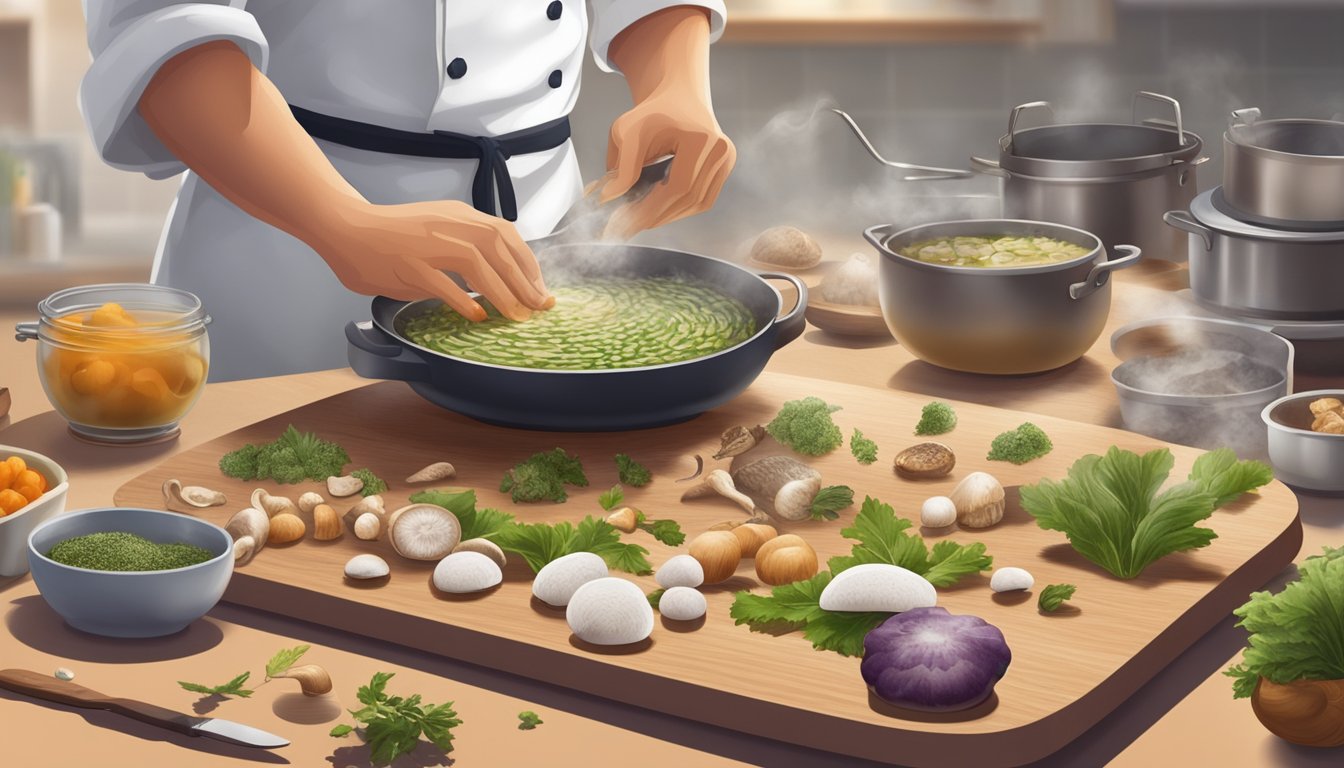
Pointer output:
x,y
1307,712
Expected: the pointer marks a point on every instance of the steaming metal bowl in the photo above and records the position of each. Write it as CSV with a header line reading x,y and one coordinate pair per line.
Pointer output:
x,y
1205,421
1303,459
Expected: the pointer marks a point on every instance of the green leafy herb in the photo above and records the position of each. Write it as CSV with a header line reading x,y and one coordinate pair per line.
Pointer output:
x,y
631,472
667,531
393,725
527,720
1297,634
540,543
655,597
232,688
806,426
1219,474
864,450
1020,445
372,483
882,538
1111,511
476,523
543,477
292,458
1054,596
936,419
609,499
282,661
830,500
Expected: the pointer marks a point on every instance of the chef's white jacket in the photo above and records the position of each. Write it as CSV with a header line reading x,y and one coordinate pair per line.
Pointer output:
x,y
479,67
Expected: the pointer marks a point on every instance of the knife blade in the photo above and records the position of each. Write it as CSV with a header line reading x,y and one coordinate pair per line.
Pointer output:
x,y
63,692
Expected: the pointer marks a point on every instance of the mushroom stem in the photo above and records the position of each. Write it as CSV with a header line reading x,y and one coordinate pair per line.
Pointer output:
x,y
720,482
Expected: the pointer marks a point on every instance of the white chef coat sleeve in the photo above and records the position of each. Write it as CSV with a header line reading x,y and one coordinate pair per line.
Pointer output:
x,y
611,17
130,40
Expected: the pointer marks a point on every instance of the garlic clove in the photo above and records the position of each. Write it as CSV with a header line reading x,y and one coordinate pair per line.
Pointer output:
x,y
287,528
938,512
624,519
367,526
682,604
1011,579
752,536
326,523
363,567
785,565
191,495
979,499
308,502
439,470
313,680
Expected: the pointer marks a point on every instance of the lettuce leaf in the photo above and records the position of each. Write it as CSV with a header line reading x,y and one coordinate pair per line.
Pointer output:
x,y
1219,474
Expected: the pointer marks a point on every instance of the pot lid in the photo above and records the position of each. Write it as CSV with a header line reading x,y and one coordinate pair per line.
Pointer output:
x,y
1210,209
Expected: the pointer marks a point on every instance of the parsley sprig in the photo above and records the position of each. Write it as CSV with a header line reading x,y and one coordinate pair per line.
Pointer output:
x,y
667,531
393,725
232,688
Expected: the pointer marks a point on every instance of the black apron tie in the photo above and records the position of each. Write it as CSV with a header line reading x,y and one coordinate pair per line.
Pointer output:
x,y
490,152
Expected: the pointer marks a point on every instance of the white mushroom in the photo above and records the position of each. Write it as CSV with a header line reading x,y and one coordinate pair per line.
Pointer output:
x,y
190,495
1010,579
877,587
250,524
486,547
781,485
366,567
439,470
423,531
273,505
680,571
367,526
938,512
344,485
557,580
682,604
463,572
720,482
979,499
368,505
309,500
610,611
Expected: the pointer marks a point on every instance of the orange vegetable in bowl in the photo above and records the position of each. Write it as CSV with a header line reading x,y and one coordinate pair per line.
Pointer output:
x,y
19,485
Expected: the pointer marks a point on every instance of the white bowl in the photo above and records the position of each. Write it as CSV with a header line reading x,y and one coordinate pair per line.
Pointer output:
x,y
1303,459
15,528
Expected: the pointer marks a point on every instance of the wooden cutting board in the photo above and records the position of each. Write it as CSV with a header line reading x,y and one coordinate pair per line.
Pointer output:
x,y
1069,670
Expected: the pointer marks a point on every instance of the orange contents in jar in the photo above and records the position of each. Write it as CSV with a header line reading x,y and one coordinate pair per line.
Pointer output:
x,y
113,368
19,485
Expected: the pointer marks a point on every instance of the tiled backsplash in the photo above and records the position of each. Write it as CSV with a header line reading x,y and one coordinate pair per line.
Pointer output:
x,y
938,103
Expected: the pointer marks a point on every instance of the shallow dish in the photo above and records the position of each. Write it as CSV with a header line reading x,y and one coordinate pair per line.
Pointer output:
x,y
847,319
15,528
131,603
1304,459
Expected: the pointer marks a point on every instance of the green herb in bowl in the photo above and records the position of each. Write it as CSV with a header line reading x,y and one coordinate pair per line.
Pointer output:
x,y
121,551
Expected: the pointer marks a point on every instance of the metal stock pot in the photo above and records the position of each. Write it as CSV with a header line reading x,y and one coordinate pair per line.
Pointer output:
x,y
1285,173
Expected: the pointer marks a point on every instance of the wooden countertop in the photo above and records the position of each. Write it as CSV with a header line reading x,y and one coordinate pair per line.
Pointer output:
x,y
1186,716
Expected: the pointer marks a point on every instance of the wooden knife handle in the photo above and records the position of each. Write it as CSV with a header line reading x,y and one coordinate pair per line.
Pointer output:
x,y
64,692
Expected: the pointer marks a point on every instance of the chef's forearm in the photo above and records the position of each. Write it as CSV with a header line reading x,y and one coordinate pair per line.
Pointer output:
x,y
666,49
228,123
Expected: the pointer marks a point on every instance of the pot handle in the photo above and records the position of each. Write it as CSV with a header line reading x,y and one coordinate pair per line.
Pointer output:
x,y
25,331
1184,221
375,355
1102,272
1017,112
926,172
987,166
791,325
1161,99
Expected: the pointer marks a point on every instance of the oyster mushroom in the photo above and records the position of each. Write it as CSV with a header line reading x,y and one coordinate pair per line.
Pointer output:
x,y
781,485
273,505
423,531
190,495
250,529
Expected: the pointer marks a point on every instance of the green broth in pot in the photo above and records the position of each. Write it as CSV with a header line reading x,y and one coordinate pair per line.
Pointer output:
x,y
597,324
991,252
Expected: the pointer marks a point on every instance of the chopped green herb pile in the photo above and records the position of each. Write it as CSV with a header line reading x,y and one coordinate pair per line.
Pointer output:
x,y
527,720
543,477
540,543
293,457
476,523
121,551
1297,634
806,426
631,472
393,724
1111,511
372,483
232,688
667,531
936,419
1020,445
830,500
864,450
882,538
1054,596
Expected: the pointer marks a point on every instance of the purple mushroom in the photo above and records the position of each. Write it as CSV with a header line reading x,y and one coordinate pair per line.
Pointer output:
x,y
929,659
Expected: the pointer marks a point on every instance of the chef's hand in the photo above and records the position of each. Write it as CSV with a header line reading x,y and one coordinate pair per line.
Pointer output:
x,y
402,251
665,58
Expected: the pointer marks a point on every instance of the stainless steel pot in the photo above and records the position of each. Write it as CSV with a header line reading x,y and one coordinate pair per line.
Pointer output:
x,y
1259,272
995,320
1287,173
1114,180
1304,459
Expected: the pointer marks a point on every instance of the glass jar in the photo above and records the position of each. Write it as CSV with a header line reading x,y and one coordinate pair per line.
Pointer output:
x,y
121,362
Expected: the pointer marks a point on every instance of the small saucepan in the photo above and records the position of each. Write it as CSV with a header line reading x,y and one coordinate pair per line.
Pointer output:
x,y
996,320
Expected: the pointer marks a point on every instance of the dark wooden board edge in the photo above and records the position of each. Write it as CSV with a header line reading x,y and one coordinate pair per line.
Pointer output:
x,y
901,742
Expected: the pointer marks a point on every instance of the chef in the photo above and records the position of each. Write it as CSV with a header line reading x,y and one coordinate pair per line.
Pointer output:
x,y
338,149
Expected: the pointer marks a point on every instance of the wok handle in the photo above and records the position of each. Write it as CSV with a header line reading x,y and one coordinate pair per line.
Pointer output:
x,y
375,355
1184,221
791,325
1101,273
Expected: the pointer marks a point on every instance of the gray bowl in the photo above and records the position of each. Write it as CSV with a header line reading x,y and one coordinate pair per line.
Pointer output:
x,y
131,603
1303,459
